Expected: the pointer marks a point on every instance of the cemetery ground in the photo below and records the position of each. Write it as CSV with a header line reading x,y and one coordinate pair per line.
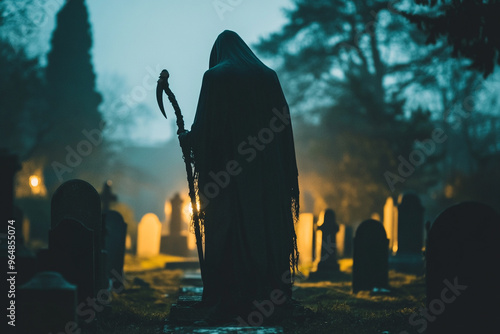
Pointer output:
x,y
150,291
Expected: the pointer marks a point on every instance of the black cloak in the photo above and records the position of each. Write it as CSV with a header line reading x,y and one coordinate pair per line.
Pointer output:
x,y
246,177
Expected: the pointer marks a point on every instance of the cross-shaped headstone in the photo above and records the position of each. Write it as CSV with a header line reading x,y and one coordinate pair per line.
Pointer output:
x,y
107,196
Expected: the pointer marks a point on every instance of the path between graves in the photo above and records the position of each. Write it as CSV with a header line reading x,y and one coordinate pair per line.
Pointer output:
x,y
182,312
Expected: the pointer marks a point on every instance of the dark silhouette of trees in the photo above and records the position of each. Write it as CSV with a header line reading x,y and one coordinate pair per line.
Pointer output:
x,y
50,115
366,90
22,105
72,96
470,26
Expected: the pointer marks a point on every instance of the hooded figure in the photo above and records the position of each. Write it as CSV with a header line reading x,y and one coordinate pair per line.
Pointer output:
x,y
246,179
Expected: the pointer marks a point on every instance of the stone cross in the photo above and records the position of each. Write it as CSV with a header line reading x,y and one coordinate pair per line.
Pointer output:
x,y
107,196
328,266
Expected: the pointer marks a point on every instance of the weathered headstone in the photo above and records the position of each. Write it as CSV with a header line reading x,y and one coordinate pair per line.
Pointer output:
x,y
148,236
340,241
78,200
328,266
107,196
175,243
47,304
348,241
463,270
391,224
71,254
370,260
116,232
410,235
304,231
410,224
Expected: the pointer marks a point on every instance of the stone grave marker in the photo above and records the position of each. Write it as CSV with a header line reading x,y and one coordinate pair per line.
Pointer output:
x,y
327,266
78,200
390,221
71,254
370,259
175,243
463,270
348,241
410,224
107,196
340,240
116,233
47,304
148,236
304,231
410,236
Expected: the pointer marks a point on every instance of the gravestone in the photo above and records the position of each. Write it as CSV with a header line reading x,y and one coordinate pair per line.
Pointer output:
x,y
340,241
463,270
410,234
105,278
107,196
71,254
78,200
370,259
46,304
304,231
391,224
175,243
348,241
410,224
328,266
116,233
148,236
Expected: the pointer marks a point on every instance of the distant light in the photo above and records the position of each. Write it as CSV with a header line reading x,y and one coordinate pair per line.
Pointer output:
x,y
449,191
34,181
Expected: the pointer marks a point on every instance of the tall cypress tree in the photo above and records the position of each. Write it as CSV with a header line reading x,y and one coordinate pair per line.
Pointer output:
x,y
72,94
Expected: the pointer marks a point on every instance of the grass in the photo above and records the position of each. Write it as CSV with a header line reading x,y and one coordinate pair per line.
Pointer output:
x,y
145,303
